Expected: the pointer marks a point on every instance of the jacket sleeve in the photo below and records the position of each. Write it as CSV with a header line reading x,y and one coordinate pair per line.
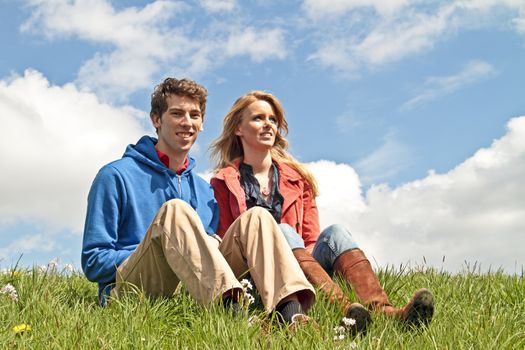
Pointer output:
x,y
100,257
222,196
310,225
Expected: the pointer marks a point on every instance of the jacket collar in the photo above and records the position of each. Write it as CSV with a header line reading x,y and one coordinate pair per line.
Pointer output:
x,y
289,183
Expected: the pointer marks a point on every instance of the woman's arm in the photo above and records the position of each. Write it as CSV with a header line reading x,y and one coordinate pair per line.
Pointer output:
x,y
310,219
222,195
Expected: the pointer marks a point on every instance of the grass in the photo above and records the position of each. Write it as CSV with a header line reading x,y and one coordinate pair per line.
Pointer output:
x,y
473,311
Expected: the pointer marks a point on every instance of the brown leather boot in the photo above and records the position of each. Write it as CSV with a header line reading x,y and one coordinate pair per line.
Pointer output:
x,y
355,268
318,277
418,311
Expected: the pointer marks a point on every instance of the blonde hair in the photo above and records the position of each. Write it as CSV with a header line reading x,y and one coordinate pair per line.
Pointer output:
x,y
228,147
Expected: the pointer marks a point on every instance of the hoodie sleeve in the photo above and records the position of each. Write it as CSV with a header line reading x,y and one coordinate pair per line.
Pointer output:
x,y
100,257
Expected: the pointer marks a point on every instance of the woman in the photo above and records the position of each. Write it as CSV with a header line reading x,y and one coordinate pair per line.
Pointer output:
x,y
255,169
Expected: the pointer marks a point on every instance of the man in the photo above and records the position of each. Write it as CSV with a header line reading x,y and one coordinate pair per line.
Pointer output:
x,y
151,221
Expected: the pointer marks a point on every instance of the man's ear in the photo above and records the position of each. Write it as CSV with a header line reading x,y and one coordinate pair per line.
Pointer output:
x,y
155,120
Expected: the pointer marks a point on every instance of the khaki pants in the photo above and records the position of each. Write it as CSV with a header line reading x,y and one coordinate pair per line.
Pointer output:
x,y
176,248
254,243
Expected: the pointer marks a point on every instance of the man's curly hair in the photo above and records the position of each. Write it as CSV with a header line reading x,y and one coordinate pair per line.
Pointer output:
x,y
184,87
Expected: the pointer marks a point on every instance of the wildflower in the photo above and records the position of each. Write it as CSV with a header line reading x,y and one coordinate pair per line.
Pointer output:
x,y
42,268
53,264
10,291
353,345
16,274
339,333
339,337
68,268
348,321
249,298
339,329
246,285
21,328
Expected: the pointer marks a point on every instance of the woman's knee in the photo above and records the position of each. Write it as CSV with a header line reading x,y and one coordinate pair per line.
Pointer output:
x,y
336,232
266,224
257,212
338,237
292,237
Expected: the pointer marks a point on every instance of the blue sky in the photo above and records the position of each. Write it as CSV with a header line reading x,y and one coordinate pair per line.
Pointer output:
x,y
412,108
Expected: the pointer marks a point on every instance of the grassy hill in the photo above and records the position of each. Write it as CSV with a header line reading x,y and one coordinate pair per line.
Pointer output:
x,y
473,311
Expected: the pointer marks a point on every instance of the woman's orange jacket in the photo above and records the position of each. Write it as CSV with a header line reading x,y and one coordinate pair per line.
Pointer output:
x,y
299,208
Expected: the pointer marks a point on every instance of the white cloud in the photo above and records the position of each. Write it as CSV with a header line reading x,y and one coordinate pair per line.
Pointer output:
x,y
401,29
519,22
341,198
384,162
318,9
138,39
473,213
258,44
140,44
347,122
218,5
439,86
55,138
27,245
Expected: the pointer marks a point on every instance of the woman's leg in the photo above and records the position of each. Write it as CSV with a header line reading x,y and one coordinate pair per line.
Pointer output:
x,y
320,279
332,242
337,252
254,244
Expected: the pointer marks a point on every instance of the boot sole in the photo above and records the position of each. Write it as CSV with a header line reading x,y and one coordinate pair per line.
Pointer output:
x,y
422,309
362,319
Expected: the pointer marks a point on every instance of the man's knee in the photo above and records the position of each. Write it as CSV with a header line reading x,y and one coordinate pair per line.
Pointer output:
x,y
176,204
174,214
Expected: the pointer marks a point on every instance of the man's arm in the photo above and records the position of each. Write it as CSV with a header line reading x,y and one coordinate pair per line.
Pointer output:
x,y
100,257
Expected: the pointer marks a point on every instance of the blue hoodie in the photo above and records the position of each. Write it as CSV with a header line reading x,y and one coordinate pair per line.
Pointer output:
x,y
125,197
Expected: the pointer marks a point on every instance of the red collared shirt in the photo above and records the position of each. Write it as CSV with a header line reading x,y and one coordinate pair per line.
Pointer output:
x,y
166,161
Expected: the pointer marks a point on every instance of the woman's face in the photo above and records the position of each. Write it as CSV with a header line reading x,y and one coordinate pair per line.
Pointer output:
x,y
258,127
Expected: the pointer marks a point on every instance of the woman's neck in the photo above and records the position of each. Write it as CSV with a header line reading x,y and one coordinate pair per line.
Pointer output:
x,y
261,162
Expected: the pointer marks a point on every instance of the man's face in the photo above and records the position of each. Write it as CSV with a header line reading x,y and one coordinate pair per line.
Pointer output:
x,y
179,125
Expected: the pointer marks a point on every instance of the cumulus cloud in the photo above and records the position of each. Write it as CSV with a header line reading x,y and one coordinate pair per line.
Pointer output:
x,y
141,43
436,87
28,245
54,140
318,9
386,161
472,213
396,30
258,44
137,38
218,5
